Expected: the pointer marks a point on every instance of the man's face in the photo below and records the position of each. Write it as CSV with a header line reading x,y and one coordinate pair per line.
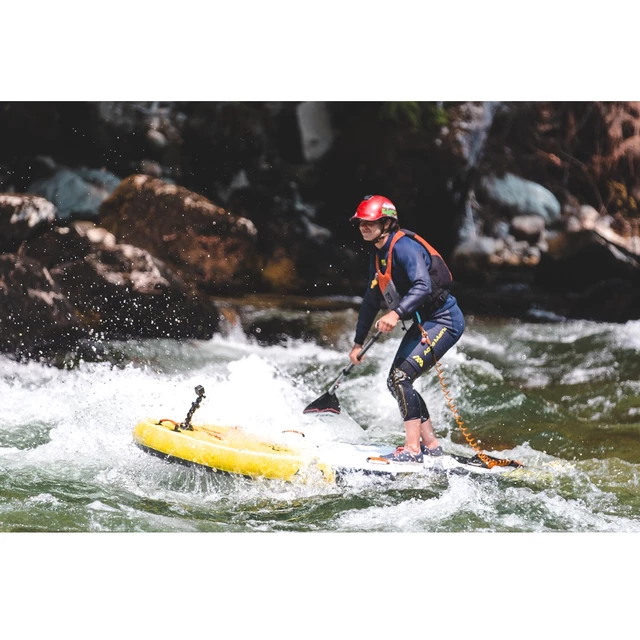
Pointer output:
x,y
370,230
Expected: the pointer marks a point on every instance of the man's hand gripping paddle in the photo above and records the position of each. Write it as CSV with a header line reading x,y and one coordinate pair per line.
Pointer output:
x,y
328,402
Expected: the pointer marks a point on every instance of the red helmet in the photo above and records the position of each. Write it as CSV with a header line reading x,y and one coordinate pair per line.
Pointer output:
x,y
375,208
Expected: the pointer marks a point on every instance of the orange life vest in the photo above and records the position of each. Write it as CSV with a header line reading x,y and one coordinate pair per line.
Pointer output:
x,y
441,277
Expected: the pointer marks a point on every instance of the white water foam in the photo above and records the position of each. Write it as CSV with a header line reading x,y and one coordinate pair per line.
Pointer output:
x,y
628,335
87,416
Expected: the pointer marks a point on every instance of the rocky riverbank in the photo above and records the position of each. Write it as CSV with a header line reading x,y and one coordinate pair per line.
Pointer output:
x,y
121,220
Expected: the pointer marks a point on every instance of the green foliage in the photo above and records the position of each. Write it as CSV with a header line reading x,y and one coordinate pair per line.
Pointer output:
x,y
418,115
620,201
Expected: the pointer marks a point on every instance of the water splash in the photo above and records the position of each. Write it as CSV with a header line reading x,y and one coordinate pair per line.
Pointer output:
x,y
532,392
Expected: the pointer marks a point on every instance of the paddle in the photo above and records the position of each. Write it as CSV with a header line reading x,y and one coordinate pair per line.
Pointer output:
x,y
328,402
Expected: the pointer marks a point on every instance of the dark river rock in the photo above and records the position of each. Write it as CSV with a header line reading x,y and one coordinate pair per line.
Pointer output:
x,y
533,205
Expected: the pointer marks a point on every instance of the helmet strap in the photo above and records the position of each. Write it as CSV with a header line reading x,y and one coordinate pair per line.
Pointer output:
x,y
386,230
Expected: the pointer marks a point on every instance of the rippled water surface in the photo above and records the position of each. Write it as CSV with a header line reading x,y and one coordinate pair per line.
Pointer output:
x,y
562,398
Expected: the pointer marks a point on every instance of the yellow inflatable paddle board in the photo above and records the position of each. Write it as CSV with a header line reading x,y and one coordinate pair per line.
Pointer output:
x,y
223,448
234,450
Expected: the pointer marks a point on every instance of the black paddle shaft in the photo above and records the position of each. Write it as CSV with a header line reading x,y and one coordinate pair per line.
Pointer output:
x,y
328,402
350,366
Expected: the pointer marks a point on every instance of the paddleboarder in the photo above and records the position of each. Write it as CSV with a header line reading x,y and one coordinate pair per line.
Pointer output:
x,y
410,279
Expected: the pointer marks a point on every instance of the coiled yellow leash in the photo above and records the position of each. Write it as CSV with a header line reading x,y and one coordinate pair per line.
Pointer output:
x,y
488,460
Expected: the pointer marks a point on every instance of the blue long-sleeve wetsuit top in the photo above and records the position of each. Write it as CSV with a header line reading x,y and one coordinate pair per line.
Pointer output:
x,y
411,263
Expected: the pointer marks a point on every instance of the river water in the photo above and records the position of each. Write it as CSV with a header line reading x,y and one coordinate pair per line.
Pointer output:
x,y
563,398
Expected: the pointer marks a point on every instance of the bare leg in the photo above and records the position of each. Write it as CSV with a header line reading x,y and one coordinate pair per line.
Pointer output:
x,y
428,436
412,430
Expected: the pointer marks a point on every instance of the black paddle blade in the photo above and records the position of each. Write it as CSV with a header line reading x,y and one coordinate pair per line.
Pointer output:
x,y
327,403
